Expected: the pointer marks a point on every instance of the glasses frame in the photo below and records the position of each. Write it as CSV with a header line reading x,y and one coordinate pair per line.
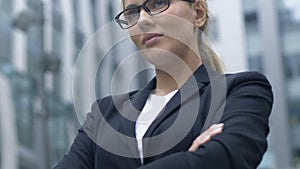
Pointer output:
x,y
138,8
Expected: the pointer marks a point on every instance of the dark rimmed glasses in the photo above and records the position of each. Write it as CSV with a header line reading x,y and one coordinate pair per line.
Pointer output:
x,y
130,16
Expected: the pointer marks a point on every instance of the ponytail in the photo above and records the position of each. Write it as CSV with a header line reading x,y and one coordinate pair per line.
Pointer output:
x,y
207,52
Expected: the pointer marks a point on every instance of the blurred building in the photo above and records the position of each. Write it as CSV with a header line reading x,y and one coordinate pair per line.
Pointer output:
x,y
264,36
47,46
40,42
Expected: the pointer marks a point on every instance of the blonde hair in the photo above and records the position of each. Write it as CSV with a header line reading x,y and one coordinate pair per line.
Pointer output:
x,y
207,52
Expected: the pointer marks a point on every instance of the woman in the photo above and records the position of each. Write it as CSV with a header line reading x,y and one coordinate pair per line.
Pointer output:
x,y
161,126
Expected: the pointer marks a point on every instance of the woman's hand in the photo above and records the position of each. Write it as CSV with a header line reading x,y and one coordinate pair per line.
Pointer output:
x,y
206,136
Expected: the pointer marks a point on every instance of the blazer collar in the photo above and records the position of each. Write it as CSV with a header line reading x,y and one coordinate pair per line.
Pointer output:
x,y
200,77
130,111
132,107
192,87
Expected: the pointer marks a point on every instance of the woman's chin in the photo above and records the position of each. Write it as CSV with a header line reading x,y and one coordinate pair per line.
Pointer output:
x,y
162,59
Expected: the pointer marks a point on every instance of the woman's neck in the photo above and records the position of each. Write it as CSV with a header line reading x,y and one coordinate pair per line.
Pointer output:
x,y
174,76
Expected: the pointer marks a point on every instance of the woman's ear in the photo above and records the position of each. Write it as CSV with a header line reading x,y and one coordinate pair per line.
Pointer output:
x,y
201,13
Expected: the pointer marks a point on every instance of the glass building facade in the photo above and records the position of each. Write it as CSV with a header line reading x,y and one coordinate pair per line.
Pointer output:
x,y
56,117
281,37
289,25
40,42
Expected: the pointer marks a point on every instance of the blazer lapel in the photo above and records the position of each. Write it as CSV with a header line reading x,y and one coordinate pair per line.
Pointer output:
x,y
191,88
189,91
134,105
130,111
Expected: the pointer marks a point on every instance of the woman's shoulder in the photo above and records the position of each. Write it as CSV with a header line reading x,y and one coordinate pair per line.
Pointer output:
x,y
252,82
115,99
107,104
246,76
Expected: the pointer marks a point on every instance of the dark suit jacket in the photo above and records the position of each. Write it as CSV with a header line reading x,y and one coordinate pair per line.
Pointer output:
x,y
107,137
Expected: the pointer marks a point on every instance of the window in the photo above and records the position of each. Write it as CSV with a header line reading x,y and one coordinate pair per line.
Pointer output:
x,y
294,109
59,127
5,31
5,8
293,6
292,66
111,10
94,14
5,42
256,63
291,51
57,26
249,6
214,29
23,93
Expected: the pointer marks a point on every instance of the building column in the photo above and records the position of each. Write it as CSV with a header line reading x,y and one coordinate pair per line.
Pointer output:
x,y
8,128
87,65
280,132
19,48
230,42
68,41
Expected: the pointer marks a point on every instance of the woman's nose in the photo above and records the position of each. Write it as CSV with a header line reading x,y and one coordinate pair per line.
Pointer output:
x,y
145,19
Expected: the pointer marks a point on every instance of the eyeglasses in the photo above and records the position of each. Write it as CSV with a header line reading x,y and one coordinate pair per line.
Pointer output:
x,y
130,16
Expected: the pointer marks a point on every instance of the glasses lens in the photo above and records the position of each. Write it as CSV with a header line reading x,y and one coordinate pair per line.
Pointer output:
x,y
128,18
157,6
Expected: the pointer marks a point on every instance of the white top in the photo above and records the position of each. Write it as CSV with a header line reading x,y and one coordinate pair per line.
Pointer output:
x,y
152,108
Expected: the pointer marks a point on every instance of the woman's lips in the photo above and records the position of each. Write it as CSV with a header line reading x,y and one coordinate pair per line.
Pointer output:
x,y
150,39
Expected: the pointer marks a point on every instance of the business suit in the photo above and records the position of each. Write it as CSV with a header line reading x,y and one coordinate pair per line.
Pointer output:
x,y
246,107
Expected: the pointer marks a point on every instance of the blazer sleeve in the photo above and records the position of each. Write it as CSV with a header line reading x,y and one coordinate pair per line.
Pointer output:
x,y
244,139
81,153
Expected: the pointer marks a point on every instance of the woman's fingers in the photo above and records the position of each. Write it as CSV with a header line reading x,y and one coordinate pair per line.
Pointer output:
x,y
206,136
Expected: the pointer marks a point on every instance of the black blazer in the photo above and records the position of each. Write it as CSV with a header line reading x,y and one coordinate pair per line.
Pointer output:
x,y
107,137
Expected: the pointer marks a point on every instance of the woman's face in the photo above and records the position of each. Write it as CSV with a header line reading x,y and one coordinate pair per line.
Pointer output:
x,y
170,33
